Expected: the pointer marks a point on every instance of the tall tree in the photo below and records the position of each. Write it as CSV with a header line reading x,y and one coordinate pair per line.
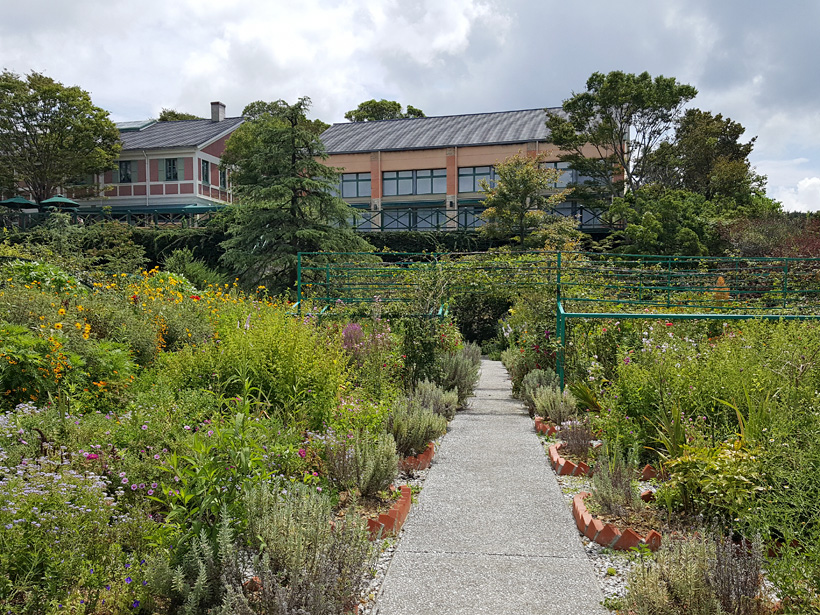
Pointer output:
x,y
51,136
372,110
172,115
706,156
519,202
286,196
609,130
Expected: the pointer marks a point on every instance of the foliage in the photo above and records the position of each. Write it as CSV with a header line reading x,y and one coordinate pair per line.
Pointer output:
x,y
301,562
286,202
375,353
611,128
517,203
373,110
361,461
413,427
172,115
477,313
430,396
697,576
534,380
459,371
614,484
182,261
551,404
51,135
576,436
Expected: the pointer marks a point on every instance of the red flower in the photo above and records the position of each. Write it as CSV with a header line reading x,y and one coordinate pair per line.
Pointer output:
x,y
196,297
669,324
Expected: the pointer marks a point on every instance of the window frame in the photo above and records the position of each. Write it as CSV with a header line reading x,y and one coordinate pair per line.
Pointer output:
x,y
205,171
406,183
171,165
475,177
357,181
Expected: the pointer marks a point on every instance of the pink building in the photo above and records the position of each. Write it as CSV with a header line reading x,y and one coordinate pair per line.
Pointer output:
x,y
169,166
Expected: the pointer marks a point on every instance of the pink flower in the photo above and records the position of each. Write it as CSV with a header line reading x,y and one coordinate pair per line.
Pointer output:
x,y
302,452
92,456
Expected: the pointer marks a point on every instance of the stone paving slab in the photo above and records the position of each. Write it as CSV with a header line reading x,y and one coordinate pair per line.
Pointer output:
x,y
491,532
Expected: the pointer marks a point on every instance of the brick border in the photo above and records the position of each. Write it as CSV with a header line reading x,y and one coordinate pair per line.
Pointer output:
x,y
420,461
389,524
607,535
542,426
563,467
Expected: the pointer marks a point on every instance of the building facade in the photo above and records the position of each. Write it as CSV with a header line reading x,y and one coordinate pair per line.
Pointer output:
x,y
169,166
425,173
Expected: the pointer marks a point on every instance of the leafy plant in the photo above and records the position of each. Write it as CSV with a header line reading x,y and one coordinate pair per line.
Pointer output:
x,y
614,485
576,436
413,427
534,380
430,396
459,371
550,403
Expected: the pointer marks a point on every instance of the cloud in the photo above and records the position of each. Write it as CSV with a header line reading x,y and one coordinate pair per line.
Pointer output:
x,y
804,197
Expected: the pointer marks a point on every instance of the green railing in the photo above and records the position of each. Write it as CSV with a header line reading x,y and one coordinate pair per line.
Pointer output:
x,y
145,218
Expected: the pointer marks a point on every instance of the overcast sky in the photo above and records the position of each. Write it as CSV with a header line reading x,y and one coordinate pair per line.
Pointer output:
x,y
755,62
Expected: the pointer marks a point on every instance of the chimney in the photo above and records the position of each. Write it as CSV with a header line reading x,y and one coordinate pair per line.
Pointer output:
x,y
217,111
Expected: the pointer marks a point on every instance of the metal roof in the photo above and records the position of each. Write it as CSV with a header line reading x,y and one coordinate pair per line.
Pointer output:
x,y
134,125
434,132
182,133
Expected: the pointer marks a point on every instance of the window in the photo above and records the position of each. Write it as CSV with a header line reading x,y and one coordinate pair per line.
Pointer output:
x,y
355,185
402,183
223,179
567,177
206,171
171,174
122,174
469,178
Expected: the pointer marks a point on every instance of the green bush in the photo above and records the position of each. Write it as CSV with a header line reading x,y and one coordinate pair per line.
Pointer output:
x,y
478,313
302,562
430,396
361,461
459,371
515,360
614,482
183,262
550,403
413,427
534,380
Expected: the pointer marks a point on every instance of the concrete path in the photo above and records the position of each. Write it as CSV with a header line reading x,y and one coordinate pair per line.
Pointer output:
x,y
491,533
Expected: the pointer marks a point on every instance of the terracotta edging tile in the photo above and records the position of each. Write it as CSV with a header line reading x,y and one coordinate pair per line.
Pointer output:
x,y
389,523
607,535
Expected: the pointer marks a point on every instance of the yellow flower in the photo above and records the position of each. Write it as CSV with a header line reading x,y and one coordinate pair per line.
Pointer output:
x,y
61,311
58,325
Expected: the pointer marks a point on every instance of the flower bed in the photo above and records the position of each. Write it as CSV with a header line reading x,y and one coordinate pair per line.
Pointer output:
x,y
607,535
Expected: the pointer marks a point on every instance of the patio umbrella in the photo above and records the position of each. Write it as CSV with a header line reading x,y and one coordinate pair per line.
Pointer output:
x,y
17,202
60,201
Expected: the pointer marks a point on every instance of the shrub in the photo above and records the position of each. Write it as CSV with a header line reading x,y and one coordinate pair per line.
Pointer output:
x,y
614,487
698,576
532,381
478,313
359,460
459,371
517,365
550,403
576,436
303,563
182,261
414,427
430,396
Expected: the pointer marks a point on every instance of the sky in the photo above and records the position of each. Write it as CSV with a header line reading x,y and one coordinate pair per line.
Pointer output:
x,y
754,62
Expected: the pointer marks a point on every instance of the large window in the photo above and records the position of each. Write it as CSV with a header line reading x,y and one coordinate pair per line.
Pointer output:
x,y
223,179
567,177
355,185
402,183
206,171
122,174
469,178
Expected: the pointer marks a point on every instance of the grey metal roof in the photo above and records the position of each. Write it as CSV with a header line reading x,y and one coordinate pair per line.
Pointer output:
x,y
134,125
183,133
432,132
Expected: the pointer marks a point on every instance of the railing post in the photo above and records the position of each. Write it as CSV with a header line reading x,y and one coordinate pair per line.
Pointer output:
x,y
785,283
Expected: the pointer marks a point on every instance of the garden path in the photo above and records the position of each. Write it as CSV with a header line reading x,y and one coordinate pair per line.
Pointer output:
x,y
491,532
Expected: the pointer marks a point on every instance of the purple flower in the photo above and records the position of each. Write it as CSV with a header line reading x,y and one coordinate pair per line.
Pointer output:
x,y
135,604
153,485
302,452
145,427
128,579
134,487
150,492
108,587
124,481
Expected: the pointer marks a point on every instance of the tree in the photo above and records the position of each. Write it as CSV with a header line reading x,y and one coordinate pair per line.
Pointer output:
x,y
609,130
51,136
286,196
518,203
662,221
372,110
707,157
172,115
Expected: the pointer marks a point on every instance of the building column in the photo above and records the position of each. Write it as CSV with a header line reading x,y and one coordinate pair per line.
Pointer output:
x,y
451,198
